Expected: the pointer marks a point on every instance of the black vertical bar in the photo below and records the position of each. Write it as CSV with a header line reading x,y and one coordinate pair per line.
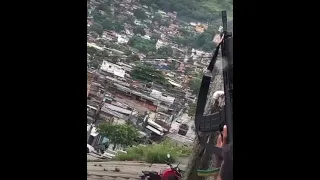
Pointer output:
x,y
202,99
226,78
224,21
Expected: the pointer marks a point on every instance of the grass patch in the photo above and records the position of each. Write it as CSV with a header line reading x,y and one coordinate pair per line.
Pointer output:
x,y
155,153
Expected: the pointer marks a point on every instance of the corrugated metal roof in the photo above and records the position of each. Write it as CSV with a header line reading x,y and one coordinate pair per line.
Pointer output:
x,y
120,87
116,108
114,113
154,130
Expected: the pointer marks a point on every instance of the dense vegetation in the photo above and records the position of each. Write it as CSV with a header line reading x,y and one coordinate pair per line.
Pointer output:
x,y
145,73
200,10
143,45
195,84
155,153
192,109
165,51
106,20
200,41
119,134
189,10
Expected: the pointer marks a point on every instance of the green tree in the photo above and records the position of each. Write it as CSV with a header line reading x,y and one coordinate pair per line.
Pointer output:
x,y
98,17
202,39
185,32
135,57
143,45
132,58
192,109
91,50
155,36
147,74
147,2
185,41
165,51
157,18
164,23
209,46
127,52
195,85
96,27
118,27
95,64
139,30
119,134
107,24
190,10
104,7
130,20
140,14
154,6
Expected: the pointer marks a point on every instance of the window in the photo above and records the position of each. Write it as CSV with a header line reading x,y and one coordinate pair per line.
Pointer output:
x,y
105,140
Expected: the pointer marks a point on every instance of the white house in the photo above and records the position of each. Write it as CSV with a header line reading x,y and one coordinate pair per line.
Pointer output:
x,y
146,37
160,44
123,39
113,69
193,24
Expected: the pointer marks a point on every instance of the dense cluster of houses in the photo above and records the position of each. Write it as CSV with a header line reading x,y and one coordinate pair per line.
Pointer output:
x,y
172,30
112,96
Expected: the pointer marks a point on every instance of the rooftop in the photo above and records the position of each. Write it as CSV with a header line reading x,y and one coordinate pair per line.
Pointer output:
x,y
114,113
118,109
123,88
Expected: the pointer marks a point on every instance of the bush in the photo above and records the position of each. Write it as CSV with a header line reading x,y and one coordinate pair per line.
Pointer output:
x,y
127,157
155,153
136,150
159,156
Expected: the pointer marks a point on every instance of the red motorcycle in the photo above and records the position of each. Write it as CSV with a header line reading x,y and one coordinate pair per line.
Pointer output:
x,y
172,173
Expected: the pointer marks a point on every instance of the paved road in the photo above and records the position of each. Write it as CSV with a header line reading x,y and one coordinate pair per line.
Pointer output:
x,y
175,128
128,169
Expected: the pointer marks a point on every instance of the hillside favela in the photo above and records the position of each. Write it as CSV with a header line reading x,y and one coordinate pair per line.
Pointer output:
x,y
145,64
